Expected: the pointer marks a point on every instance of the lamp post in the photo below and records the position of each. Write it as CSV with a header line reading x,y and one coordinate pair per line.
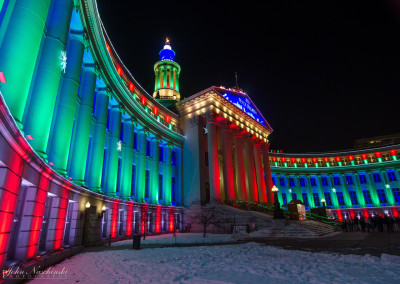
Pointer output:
x,y
87,206
323,202
278,213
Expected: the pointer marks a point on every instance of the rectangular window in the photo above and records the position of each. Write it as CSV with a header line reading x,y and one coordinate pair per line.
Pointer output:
x,y
146,184
291,181
391,176
94,103
336,180
324,181
294,196
377,177
305,200
148,148
367,197
328,198
135,141
133,181
362,178
381,195
160,186
340,198
302,182
349,180
284,199
108,119
121,132
353,197
161,153
316,199
173,189
282,181
273,181
396,194
313,182
173,159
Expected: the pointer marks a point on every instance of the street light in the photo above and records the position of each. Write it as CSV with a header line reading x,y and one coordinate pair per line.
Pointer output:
x,y
323,202
278,213
87,205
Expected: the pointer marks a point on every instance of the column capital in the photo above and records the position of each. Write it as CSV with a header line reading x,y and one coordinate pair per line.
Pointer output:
x,y
211,116
225,124
196,121
237,131
132,120
170,145
78,35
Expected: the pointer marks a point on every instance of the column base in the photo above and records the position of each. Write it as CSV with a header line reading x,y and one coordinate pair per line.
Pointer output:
x,y
78,182
42,155
95,189
125,197
61,172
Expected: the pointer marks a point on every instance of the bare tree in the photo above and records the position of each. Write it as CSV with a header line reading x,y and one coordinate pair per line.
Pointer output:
x,y
210,214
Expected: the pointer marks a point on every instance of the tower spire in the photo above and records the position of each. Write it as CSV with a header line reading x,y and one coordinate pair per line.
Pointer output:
x,y
166,87
236,79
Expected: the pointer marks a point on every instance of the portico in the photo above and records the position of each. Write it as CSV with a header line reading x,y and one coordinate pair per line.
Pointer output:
x,y
231,146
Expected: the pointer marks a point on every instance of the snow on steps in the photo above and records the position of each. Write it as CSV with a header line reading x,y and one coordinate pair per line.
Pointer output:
x,y
263,225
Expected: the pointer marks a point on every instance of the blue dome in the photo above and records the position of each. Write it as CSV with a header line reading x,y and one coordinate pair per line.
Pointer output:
x,y
167,54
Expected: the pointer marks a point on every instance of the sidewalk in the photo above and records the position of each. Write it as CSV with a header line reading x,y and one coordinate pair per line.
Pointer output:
x,y
374,243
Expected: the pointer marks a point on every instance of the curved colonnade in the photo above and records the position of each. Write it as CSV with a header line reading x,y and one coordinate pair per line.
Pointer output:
x,y
352,183
86,154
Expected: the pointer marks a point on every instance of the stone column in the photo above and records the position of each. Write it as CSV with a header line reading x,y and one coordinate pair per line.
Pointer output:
x,y
360,195
154,169
310,193
10,183
167,175
388,190
127,160
267,172
64,120
45,88
250,170
372,189
141,165
80,148
96,159
345,190
32,219
335,201
110,183
19,52
227,144
262,191
241,188
213,163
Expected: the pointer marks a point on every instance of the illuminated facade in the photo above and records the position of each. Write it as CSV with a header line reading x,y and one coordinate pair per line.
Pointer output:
x,y
353,183
86,154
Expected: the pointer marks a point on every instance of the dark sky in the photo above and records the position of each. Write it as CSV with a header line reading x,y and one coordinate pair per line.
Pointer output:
x,y
323,73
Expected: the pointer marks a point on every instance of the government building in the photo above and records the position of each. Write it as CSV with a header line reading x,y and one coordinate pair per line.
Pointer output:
x,y
87,156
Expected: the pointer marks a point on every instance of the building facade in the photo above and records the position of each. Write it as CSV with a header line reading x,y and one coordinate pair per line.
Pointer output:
x,y
353,183
87,155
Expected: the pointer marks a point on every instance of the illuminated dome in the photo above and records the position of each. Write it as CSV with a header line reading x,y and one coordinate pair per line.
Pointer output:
x,y
167,53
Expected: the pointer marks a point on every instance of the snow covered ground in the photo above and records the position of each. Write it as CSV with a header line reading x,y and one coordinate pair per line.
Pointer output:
x,y
186,238
243,263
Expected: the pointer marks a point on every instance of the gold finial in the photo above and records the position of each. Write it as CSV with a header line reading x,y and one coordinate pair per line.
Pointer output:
x,y
167,40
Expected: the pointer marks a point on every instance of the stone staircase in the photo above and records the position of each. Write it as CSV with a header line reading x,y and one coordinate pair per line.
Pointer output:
x,y
263,225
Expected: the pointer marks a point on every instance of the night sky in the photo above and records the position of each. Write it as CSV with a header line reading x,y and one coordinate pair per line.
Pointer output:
x,y
323,73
